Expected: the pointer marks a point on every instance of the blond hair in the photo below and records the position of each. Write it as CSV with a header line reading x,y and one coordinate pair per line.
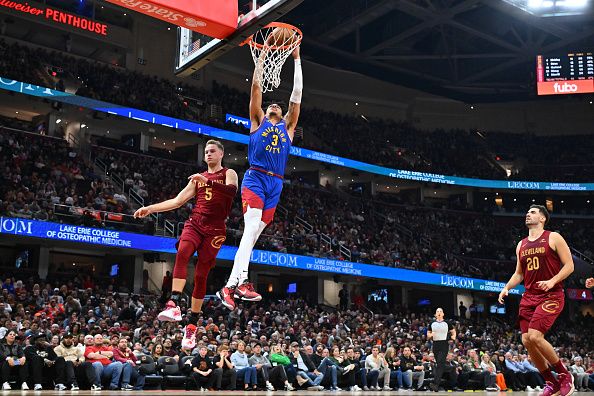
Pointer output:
x,y
216,143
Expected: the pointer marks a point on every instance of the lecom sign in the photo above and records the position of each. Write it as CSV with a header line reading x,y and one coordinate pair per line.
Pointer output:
x,y
212,18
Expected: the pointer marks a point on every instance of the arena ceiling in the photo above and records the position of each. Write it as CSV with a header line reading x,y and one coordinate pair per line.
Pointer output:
x,y
471,50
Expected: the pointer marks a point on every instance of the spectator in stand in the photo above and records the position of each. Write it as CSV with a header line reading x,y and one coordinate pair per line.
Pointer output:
x,y
580,375
13,361
411,370
71,366
393,362
305,368
101,357
378,370
229,374
533,377
490,372
130,372
204,373
242,365
517,378
42,359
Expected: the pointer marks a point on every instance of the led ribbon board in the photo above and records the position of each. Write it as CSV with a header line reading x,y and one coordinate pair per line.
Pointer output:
x,y
128,240
140,115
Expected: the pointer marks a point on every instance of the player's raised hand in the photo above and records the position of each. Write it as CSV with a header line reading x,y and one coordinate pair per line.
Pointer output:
x,y
590,282
504,292
142,212
545,285
296,52
198,178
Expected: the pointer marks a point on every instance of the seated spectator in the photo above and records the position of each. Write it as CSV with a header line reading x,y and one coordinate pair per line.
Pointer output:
x,y
411,370
378,370
489,367
475,372
307,373
71,366
204,373
580,375
101,357
130,371
229,374
393,363
242,365
13,361
533,377
271,375
42,359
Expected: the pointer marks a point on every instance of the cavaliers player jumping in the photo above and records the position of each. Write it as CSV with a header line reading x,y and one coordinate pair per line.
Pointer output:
x,y
271,136
543,262
203,232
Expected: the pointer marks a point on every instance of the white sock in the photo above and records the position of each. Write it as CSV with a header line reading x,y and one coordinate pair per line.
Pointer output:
x,y
251,232
244,275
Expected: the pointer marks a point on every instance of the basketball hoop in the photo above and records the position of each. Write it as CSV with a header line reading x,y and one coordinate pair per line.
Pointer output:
x,y
270,47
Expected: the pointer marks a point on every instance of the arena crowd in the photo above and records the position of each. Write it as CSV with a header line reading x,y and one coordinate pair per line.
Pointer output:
x,y
87,334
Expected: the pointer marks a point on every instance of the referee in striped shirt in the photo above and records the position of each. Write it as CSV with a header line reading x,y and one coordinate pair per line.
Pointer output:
x,y
440,332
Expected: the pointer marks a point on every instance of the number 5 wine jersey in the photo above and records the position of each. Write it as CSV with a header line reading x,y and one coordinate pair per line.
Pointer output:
x,y
539,263
212,207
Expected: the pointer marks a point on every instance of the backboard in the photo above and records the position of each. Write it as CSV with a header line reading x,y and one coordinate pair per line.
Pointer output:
x,y
194,50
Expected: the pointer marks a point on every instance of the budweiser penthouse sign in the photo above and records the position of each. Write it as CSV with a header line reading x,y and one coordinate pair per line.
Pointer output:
x,y
55,16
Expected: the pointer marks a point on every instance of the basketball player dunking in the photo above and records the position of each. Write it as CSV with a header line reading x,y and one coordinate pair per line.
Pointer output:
x,y
271,136
543,262
204,232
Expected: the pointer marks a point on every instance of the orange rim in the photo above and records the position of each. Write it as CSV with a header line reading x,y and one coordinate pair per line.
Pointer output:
x,y
250,40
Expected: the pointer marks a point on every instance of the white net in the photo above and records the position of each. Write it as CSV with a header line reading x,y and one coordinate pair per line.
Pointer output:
x,y
271,46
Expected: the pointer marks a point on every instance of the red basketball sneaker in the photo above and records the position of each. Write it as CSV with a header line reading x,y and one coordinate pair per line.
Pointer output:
x,y
189,340
550,389
565,384
246,292
226,296
172,313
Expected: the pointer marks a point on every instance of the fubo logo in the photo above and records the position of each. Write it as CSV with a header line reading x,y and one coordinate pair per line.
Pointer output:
x,y
565,87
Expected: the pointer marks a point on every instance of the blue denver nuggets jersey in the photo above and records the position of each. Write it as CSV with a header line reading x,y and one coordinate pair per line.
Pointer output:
x,y
269,147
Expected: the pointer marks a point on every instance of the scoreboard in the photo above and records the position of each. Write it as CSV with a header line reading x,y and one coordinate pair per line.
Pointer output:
x,y
580,294
569,73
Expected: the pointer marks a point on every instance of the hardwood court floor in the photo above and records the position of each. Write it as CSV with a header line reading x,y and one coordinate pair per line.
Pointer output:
x,y
242,393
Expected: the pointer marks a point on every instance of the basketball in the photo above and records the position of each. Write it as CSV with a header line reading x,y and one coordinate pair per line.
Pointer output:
x,y
281,36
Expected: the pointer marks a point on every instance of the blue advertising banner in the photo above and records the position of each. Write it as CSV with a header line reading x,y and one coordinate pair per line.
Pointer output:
x,y
140,115
238,120
111,238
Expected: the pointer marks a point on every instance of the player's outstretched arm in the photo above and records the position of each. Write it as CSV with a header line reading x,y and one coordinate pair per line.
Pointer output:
x,y
256,112
560,246
515,279
184,196
295,102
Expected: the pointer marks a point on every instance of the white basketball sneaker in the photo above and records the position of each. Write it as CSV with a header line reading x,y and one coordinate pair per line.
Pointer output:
x,y
189,340
172,313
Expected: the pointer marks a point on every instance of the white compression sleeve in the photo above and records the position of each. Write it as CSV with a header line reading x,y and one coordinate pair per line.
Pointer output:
x,y
241,264
297,83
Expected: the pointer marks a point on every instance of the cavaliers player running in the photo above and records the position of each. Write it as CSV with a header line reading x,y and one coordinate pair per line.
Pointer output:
x,y
203,232
271,136
544,261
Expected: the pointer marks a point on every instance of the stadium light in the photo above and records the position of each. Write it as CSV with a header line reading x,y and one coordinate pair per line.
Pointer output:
x,y
551,8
